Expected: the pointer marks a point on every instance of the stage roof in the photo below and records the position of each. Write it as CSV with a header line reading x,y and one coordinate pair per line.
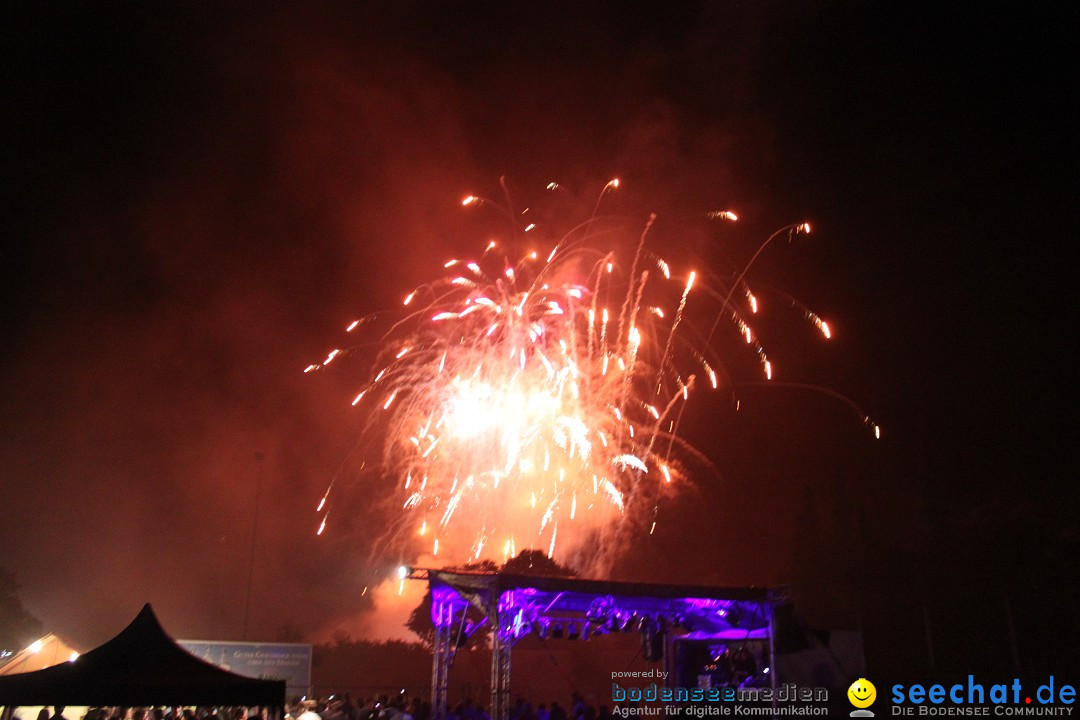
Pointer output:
x,y
537,600
501,582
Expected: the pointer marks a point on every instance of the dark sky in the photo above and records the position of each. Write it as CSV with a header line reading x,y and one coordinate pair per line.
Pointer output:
x,y
200,198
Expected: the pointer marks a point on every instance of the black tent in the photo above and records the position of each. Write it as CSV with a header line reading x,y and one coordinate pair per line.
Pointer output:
x,y
140,666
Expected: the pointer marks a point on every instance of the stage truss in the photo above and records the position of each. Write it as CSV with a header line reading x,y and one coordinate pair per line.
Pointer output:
x,y
517,605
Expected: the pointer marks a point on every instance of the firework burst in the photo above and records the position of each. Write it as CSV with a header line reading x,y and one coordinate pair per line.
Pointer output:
x,y
532,401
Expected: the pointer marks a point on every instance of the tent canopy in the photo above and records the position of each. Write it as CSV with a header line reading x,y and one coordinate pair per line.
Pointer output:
x,y
42,653
140,666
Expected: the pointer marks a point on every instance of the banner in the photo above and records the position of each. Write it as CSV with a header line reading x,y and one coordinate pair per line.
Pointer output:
x,y
290,662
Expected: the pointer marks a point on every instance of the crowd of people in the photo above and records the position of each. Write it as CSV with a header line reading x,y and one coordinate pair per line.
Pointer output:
x,y
400,707
137,713
332,707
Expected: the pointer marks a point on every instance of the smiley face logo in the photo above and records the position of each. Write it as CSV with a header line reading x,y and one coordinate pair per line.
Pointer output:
x,y
862,693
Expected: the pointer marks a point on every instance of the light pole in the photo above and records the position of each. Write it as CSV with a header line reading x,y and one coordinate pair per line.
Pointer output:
x,y
259,458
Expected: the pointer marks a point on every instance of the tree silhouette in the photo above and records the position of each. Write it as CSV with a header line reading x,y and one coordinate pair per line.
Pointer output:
x,y
536,562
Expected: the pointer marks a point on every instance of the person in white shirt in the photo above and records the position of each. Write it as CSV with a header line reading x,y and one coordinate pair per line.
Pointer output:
x,y
307,708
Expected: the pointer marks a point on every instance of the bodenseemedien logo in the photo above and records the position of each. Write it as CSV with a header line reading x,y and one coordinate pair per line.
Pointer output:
x,y
862,694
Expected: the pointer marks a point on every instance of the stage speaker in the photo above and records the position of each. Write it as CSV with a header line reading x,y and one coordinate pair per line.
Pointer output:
x,y
790,633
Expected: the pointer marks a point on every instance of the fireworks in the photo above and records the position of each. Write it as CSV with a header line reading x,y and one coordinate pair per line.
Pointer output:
x,y
532,400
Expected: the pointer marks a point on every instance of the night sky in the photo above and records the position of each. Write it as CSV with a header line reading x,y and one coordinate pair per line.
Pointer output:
x,y
201,198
